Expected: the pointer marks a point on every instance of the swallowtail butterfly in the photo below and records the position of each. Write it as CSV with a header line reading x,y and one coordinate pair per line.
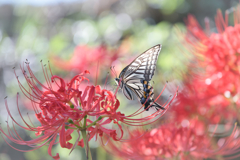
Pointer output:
x,y
136,76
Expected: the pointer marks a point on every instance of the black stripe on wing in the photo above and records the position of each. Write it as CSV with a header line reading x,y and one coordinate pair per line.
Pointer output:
x,y
138,92
127,92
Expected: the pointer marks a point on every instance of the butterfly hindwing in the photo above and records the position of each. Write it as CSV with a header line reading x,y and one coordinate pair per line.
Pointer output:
x,y
128,92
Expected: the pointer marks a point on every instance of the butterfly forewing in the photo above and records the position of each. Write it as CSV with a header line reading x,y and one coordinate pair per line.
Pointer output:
x,y
143,66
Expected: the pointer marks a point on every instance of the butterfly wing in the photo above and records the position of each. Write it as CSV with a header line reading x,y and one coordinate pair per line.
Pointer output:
x,y
142,68
135,87
128,92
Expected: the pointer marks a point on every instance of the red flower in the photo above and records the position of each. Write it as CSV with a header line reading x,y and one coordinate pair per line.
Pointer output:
x,y
220,52
212,94
67,109
203,101
88,58
173,141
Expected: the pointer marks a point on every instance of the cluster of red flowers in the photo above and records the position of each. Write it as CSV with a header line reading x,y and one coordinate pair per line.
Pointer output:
x,y
210,96
86,57
67,108
173,141
215,93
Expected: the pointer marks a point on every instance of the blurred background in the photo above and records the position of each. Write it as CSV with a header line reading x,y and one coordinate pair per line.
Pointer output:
x,y
62,31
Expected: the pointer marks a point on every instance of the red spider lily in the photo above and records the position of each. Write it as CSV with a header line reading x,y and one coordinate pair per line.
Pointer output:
x,y
201,100
68,108
86,57
221,49
220,52
173,141
215,93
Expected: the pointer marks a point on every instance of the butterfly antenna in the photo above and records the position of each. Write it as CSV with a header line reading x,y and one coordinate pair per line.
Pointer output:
x,y
114,71
111,69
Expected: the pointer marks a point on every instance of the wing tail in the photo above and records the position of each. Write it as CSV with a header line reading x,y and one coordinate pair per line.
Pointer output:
x,y
157,106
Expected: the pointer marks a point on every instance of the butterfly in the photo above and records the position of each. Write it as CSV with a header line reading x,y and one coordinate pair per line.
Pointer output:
x,y
134,78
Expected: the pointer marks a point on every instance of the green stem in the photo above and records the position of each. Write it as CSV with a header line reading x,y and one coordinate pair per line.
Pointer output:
x,y
85,121
84,135
86,145
71,122
94,123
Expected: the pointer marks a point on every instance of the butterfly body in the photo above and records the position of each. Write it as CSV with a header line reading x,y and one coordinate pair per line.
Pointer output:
x,y
134,78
